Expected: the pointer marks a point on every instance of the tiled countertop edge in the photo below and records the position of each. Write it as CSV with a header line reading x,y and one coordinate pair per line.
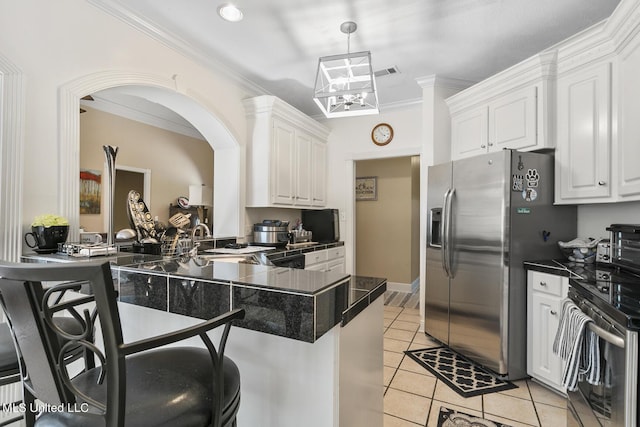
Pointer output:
x,y
358,306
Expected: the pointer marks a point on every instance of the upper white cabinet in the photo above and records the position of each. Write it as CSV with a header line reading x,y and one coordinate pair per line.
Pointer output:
x,y
598,132
513,120
319,172
512,109
628,152
469,136
286,156
583,153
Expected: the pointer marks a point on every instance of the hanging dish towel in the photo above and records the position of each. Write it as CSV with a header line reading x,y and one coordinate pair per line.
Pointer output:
x,y
577,345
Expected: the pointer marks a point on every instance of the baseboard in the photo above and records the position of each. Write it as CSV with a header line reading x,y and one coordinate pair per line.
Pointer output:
x,y
415,285
399,287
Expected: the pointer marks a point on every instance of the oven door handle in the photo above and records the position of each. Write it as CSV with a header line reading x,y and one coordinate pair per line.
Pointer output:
x,y
606,335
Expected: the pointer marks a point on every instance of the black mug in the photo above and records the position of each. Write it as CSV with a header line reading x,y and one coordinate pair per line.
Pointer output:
x,y
47,237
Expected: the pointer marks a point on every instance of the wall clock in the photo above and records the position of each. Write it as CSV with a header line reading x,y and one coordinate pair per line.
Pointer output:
x,y
382,134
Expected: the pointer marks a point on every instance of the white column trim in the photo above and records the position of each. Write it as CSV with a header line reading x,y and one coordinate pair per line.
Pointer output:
x,y
12,126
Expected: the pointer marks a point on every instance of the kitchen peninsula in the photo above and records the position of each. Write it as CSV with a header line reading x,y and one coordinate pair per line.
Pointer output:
x,y
309,349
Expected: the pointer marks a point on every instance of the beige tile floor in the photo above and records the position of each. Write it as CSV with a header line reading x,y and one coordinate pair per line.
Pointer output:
x,y
413,396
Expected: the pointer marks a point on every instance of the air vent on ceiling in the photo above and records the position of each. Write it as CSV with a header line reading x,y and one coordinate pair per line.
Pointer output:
x,y
386,71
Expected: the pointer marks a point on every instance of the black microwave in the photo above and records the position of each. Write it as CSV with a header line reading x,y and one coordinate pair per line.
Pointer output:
x,y
323,223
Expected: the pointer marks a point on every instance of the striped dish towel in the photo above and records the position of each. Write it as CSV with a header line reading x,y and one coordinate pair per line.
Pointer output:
x,y
577,345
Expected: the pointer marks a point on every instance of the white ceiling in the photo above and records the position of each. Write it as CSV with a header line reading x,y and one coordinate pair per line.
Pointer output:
x,y
275,49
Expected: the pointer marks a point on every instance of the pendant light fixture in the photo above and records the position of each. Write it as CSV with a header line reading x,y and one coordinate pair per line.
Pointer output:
x,y
345,84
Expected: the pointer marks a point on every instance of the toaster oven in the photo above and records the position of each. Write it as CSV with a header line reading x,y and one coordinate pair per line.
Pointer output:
x,y
625,246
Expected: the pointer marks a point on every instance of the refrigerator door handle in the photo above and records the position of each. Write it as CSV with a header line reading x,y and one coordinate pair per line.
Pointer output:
x,y
444,232
449,218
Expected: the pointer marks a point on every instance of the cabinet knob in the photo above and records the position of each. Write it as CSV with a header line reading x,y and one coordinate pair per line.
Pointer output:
x,y
543,283
491,144
601,183
483,146
553,312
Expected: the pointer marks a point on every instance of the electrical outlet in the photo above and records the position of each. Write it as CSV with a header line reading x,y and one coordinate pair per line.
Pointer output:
x,y
343,216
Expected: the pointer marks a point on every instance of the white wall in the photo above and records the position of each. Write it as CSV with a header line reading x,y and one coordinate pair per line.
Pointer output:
x,y
350,140
593,219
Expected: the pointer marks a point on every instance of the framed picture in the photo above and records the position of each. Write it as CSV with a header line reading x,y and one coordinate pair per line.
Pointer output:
x,y
90,187
366,188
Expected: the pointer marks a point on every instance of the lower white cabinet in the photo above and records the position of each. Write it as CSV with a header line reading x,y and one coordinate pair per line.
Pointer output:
x,y
331,259
545,293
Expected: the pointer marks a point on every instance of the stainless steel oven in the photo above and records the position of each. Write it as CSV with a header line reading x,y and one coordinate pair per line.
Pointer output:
x,y
611,298
614,401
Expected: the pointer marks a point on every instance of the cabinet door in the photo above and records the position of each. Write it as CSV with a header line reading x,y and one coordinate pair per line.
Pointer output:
x,y
628,166
303,170
315,257
317,267
469,133
545,317
318,173
337,265
583,151
282,161
513,120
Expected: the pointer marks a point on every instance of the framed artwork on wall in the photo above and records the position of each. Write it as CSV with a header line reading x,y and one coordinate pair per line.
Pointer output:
x,y
366,188
90,191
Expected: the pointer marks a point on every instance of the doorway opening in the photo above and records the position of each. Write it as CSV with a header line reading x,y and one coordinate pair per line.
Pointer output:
x,y
127,179
387,225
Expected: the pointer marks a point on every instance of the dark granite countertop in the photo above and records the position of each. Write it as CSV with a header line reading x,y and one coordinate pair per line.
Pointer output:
x,y
615,291
294,303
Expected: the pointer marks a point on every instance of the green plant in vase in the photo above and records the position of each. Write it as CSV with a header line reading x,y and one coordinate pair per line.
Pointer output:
x,y
47,231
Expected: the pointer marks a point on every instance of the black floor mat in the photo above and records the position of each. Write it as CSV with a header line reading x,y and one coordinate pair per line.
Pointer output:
x,y
463,376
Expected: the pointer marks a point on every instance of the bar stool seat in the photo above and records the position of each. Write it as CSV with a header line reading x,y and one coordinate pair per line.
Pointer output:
x,y
139,383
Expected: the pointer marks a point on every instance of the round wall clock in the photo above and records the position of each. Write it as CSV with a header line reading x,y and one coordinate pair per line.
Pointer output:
x,y
382,134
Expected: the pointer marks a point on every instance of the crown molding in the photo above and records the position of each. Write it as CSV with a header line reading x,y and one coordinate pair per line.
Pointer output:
x,y
539,68
444,82
273,105
118,10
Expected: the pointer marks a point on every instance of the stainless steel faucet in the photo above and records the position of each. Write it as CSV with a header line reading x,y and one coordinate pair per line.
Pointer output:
x,y
203,228
204,233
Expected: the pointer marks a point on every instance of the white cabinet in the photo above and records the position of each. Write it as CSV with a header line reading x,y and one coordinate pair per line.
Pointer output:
x,y
316,260
598,133
282,172
583,154
469,134
507,122
513,120
628,166
319,172
332,259
512,109
286,156
545,293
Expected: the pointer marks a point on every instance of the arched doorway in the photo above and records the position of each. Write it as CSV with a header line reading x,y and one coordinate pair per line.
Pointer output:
x,y
228,162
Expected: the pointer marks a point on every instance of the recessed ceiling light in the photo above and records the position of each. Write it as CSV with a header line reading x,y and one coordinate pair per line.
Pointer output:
x,y
230,13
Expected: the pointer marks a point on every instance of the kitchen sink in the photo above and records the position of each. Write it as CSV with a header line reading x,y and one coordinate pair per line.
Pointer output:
x,y
244,259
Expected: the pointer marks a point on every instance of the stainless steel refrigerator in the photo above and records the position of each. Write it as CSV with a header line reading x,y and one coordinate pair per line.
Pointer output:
x,y
486,215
